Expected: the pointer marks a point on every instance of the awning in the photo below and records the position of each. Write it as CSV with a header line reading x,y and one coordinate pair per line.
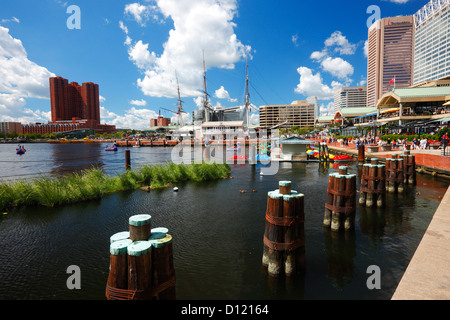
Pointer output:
x,y
366,115
442,120
390,110
447,103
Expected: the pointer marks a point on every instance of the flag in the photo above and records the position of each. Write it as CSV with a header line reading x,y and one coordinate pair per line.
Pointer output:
x,y
392,81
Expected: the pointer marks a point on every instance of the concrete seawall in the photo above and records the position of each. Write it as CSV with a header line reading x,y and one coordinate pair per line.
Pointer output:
x,y
427,276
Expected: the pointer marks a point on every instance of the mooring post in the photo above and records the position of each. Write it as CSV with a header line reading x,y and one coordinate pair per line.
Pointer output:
x,y
340,207
372,188
284,239
118,266
139,268
127,159
140,227
163,276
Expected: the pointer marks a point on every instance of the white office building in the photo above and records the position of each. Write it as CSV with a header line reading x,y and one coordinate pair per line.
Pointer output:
x,y
349,97
432,41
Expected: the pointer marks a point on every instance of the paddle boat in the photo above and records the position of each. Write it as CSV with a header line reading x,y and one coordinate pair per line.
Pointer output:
x,y
21,150
113,148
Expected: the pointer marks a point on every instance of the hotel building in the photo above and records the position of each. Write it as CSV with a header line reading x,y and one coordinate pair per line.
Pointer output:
x,y
73,107
297,114
432,42
74,101
390,55
350,97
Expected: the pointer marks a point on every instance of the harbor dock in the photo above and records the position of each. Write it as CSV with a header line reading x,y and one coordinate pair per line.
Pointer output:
x,y
426,277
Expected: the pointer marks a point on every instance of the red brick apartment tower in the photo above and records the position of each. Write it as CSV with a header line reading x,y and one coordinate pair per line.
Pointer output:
x,y
59,98
90,102
74,101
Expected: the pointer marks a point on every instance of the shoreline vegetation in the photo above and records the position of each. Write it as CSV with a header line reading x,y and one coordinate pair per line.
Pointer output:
x,y
93,184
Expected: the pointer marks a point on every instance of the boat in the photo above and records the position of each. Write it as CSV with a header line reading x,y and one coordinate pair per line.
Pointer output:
x,y
21,150
113,148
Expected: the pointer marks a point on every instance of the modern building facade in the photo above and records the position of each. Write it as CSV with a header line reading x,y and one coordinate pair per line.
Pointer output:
x,y
70,100
432,42
297,114
350,97
390,56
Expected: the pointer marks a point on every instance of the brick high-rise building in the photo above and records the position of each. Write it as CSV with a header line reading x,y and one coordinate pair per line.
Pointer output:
x,y
390,55
74,101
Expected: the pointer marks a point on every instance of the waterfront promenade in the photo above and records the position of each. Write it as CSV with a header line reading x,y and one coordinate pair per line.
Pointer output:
x,y
430,161
426,277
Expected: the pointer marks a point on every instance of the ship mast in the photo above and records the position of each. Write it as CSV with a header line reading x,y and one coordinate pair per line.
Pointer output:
x,y
206,106
180,106
247,99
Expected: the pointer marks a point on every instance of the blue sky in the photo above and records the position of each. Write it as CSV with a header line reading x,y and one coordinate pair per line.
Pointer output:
x,y
132,49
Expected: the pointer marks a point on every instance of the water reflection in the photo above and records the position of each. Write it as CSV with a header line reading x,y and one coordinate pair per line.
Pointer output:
x,y
341,250
68,158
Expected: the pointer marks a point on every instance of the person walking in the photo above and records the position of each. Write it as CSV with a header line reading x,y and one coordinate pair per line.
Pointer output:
x,y
444,141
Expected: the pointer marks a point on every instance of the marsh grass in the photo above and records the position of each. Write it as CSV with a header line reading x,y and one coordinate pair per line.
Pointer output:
x,y
93,184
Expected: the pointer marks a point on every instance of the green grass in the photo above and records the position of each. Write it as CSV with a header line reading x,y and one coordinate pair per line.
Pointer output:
x,y
93,184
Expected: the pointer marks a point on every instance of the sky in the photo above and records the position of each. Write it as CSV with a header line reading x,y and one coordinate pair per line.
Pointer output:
x,y
136,50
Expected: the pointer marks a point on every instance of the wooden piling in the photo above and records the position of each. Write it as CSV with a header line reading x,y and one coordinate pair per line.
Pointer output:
x,y
409,168
361,153
340,207
140,268
373,184
140,227
127,159
394,174
118,264
163,277
284,231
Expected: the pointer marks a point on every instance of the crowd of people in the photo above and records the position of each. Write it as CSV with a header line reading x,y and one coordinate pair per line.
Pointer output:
x,y
415,144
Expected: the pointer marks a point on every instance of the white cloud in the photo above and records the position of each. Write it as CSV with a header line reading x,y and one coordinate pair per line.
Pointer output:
x,y
20,79
139,12
327,109
295,40
337,67
132,119
341,44
139,103
318,55
140,55
221,93
312,85
194,32
13,19
366,48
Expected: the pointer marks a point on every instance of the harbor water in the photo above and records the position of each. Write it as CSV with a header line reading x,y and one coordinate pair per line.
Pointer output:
x,y
217,231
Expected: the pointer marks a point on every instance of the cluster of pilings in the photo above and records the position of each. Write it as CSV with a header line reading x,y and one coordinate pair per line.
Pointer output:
x,y
284,236
409,168
394,174
141,263
340,206
373,184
